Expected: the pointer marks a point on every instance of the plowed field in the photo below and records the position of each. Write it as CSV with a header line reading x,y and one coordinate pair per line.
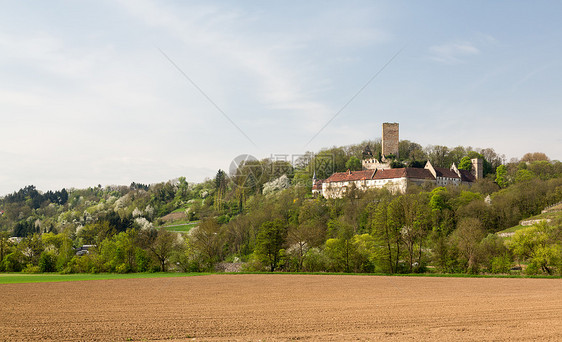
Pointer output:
x,y
283,307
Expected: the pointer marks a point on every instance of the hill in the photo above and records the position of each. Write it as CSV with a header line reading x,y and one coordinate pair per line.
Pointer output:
x,y
264,216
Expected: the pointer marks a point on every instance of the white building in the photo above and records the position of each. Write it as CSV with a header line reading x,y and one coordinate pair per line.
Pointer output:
x,y
396,180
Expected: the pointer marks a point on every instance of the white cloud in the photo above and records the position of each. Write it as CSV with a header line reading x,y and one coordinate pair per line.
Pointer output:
x,y
269,67
453,53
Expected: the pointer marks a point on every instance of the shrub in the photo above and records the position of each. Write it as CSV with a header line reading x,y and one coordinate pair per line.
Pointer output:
x,y
11,262
31,269
500,264
47,262
315,260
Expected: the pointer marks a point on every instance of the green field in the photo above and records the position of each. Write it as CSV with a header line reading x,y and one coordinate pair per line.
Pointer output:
x,y
550,215
180,226
11,278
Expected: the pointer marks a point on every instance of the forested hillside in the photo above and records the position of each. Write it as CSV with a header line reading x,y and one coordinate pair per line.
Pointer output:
x,y
263,217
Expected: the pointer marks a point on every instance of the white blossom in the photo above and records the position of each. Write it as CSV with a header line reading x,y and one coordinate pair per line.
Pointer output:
x,y
137,212
280,183
143,223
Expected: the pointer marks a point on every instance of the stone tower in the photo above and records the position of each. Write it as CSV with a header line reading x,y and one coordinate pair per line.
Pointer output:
x,y
390,139
477,168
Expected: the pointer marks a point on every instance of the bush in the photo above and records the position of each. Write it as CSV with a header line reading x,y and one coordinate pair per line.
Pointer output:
x,y
31,269
253,265
315,260
532,269
500,264
122,268
11,262
142,260
47,262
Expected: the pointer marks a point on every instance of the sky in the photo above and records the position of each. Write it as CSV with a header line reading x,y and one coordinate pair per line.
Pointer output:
x,y
111,92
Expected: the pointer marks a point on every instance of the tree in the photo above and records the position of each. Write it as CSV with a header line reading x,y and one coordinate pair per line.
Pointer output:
x,y
412,151
120,252
341,249
386,225
182,194
438,155
270,241
465,163
501,176
4,245
524,175
160,243
535,156
537,244
47,262
415,226
207,241
302,236
61,244
467,238
353,164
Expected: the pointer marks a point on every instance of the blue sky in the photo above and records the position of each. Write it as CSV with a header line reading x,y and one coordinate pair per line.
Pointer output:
x,y
87,97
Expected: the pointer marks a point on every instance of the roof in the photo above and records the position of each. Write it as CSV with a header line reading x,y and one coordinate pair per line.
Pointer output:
x,y
317,184
467,176
390,173
443,172
408,172
350,176
418,173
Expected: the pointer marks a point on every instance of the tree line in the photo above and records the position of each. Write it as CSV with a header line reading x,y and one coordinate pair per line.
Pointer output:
x,y
255,220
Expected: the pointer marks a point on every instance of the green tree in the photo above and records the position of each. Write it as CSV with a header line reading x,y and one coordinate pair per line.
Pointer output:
x,y
182,194
207,241
61,244
341,249
501,176
416,223
270,241
4,245
353,164
524,175
386,224
538,244
160,243
465,163
467,238
47,262
365,256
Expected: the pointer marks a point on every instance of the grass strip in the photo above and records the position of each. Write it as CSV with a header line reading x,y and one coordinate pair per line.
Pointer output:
x,y
13,278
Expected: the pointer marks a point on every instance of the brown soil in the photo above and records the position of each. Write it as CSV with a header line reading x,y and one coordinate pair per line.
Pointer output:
x,y
284,307
173,217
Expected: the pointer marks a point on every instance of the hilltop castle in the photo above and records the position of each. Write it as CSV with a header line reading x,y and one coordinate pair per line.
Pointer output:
x,y
377,171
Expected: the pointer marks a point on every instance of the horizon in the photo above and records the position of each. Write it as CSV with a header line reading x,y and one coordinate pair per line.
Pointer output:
x,y
145,91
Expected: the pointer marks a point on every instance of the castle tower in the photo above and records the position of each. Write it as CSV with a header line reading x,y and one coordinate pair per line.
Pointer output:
x,y
477,168
390,139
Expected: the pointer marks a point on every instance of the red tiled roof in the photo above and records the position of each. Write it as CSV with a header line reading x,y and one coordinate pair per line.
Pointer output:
x,y
350,176
318,184
407,172
390,173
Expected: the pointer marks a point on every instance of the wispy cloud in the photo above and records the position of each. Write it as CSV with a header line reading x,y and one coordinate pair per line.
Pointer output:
x,y
268,66
453,53
212,32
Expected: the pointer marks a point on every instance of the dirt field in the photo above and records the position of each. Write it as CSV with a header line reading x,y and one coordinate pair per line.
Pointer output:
x,y
284,307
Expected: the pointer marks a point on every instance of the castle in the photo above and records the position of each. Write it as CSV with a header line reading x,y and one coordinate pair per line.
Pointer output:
x,y
377,172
